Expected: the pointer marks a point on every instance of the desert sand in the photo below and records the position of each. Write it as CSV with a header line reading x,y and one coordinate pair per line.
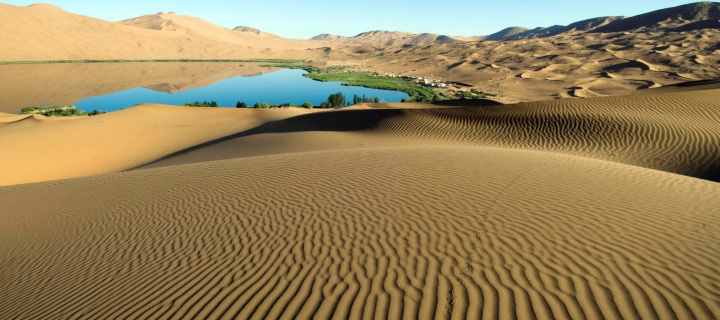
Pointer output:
x,y
604,56
588,188
568,209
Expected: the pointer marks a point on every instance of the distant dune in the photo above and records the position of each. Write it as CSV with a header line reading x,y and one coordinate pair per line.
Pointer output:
x,y
381,38
564,209
45,32
676,15
516,64
200,28
506,33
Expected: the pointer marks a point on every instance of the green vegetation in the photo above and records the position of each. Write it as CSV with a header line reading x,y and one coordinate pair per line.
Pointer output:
x,y
263,105
278,61
211,104
59,111
416,91
475,94
335,100
358,99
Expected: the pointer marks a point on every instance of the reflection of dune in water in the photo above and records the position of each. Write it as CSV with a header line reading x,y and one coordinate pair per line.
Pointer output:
x,y
66,84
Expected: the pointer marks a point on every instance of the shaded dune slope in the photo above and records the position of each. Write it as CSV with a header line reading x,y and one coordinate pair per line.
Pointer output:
x,y
380,233
676,132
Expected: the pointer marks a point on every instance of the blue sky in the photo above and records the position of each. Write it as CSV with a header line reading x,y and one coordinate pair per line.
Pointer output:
x,y
304,19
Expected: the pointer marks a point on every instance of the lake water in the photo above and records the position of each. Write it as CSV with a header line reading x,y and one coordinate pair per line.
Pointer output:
x,y
114,86
282,86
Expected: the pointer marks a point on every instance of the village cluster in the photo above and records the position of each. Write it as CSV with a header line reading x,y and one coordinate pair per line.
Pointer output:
x,y
421,80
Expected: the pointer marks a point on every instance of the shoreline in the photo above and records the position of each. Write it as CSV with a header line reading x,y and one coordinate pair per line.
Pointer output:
x,y
147,60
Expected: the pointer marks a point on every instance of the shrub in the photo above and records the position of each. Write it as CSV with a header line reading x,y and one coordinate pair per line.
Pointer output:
x,y
358,99
211,104
336,100
241,105
307,105
54,111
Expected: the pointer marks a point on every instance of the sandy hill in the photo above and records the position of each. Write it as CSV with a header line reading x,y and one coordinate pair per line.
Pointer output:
x,y
506,33
380,38
694,16
598,131
326,36
193,26
677,15
45,32
564,209
580,26
395,38
569,64
259,32
541,32
57,34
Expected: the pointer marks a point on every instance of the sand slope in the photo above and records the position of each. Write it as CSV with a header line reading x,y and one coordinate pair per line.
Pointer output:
x,y
487,212
676,132
382,233
41,148
45,32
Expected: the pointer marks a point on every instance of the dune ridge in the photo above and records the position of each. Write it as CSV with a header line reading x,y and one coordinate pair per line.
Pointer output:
x,y
647,130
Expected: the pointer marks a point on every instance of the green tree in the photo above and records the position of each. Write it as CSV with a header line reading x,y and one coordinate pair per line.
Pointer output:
x,y
241,105
336,100
307,105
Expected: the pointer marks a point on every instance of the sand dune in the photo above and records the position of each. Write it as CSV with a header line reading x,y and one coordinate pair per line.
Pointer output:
x,y
665,47
380,39
536,210
58,35
378,233
192,26
544,68
593,208
116,141
647,130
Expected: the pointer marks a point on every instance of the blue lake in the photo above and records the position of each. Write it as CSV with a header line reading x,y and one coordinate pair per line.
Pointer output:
x,y
282,86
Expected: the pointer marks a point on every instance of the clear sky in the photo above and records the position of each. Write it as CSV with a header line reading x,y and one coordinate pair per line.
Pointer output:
x,y
304,19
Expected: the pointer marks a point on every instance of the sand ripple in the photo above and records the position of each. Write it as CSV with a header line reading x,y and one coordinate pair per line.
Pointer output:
x,y
386,233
